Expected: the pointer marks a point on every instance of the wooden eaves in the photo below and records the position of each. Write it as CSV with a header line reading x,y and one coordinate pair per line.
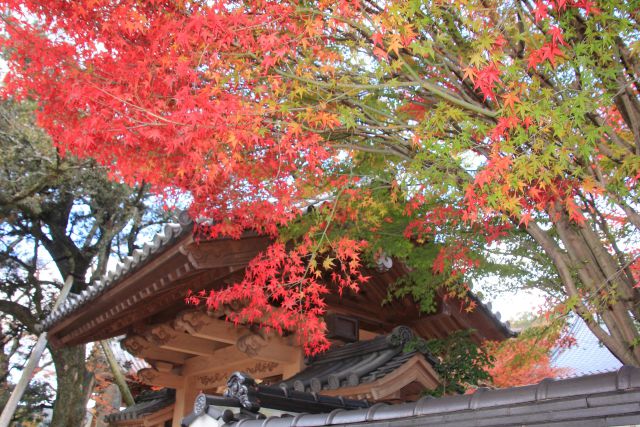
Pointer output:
x,y
149,288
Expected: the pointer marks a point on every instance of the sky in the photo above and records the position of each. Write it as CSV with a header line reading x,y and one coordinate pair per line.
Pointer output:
x,y
512,305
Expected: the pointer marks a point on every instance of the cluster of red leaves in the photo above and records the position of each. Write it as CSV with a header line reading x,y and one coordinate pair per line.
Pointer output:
x,y
182,95
181,113
456,258
485,79
427,226
550,50
524,360
634,267
283,289
185,95
542,7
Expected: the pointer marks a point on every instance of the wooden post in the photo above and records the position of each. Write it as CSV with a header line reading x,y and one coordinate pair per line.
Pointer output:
x,y
32,364
118,377
185,398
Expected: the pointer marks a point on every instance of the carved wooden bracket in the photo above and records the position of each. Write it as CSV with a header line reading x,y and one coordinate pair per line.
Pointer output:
x,y
161,334
252,343
191,321
199,324
135,344
141,347
147,375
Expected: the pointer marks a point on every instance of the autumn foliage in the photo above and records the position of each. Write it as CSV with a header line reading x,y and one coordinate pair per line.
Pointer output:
x,y
524,360
434,132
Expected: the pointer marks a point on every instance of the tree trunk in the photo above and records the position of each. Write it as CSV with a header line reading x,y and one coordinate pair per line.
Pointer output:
x,y
593,281
69,408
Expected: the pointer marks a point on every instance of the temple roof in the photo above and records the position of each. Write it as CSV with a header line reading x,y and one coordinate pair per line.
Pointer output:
x,y
608,399
586,356
345,368
147,403
145,287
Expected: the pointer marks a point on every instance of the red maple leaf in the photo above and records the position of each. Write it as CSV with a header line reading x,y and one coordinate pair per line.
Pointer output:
x,y
556,35
541,11
486,79
376,38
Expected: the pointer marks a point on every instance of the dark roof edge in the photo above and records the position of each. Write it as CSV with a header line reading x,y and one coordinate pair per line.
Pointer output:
x,y
145,404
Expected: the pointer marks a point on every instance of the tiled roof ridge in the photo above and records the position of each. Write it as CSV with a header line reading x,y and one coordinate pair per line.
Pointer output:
x,y
588,389
170,233
145,404
148,395
495,316
397,339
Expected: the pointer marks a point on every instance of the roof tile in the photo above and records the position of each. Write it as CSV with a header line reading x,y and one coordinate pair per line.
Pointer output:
x,y
605,399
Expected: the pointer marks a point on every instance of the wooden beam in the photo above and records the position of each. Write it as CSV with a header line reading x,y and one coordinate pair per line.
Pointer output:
x,y
257,369
156,378
185,399
140,347
224,251
164,366
168,338
268,352
229,358
256,345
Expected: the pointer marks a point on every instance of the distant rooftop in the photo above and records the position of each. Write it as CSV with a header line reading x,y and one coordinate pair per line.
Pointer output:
x,y
587,357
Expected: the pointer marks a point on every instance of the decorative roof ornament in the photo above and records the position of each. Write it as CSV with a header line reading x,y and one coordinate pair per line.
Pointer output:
x,y
400,336
239,386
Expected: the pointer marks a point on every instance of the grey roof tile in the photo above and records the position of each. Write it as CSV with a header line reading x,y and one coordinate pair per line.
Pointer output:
x,y
604,400
146,403
496,317
355,363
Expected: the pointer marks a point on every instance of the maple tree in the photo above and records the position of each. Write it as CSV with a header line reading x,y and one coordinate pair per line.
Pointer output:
x,y
526,359
429,131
